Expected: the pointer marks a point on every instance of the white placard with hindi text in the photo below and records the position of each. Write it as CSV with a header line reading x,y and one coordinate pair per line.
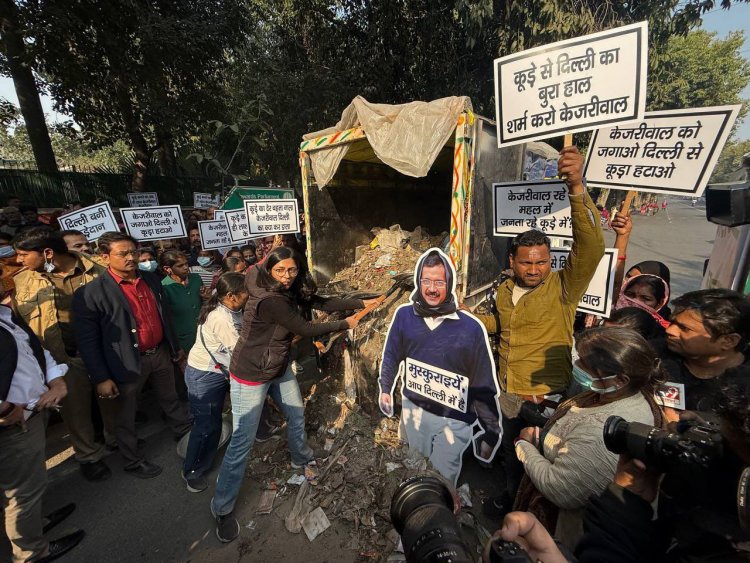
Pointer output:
x,y
219,215
436,384
573,85
272,216
204,201
92,221
669,152
154,223
543,205
214,235
143,199
599,298
237,226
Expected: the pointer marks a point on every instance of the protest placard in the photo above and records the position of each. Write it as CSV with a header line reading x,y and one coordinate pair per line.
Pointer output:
x,y
236,221
154,223
219,215
599,298
669,152
573,85
442,386
272,216
204,201
214,235
143,199
543,205
93,221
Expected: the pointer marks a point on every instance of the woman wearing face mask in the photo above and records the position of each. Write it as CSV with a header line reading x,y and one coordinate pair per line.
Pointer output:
x,y
185,293
208,264
147,262
260,366
567,461
207,375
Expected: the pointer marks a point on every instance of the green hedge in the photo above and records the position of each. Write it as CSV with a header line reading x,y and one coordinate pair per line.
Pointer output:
x,y
55,189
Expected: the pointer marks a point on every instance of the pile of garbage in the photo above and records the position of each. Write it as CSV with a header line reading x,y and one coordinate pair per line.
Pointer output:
x,y
392,251
352,489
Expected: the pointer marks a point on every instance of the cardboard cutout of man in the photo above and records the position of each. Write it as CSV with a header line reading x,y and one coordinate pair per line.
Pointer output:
x,y
442,355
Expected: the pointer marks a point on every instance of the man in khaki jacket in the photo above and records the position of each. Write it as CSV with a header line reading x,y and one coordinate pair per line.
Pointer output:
x,y
536,308
44,299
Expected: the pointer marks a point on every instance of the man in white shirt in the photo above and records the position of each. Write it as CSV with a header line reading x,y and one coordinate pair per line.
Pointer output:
x,y
30,382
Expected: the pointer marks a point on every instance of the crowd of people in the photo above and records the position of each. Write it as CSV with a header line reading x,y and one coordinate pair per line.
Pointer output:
x,y
87,326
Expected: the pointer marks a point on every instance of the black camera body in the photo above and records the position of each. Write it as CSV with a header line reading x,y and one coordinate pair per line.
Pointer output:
x,y
422,513
695,444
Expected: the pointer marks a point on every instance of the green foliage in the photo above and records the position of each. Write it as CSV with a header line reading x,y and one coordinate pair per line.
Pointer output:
x,y
71,151
700,70
730,160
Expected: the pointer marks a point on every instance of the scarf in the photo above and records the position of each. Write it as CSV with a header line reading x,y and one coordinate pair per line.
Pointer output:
x,y
421,308
625,301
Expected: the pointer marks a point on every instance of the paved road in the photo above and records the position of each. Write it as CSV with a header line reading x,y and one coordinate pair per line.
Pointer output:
x,y
681,238
127,519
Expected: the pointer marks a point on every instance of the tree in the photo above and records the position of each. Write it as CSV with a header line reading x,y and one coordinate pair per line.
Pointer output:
x,y
149,71
700,70
19,65
730,161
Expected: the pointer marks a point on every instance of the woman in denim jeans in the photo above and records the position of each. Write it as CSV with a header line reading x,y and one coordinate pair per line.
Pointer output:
x,y
261,366
207,373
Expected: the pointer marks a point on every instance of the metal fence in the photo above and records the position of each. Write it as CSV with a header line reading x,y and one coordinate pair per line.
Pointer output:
x,y
55,189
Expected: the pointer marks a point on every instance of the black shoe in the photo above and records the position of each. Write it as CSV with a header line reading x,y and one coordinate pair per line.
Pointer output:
x,y
114,447
227,527
497,507
95,471
61,546
54,518
195,483
144,470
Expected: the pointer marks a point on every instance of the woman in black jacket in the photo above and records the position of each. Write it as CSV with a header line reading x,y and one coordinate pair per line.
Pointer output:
x,y
260,365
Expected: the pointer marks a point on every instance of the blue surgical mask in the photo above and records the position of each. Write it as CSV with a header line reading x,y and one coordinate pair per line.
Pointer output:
x,y
584,379
204,260
581,377
6,251
147,266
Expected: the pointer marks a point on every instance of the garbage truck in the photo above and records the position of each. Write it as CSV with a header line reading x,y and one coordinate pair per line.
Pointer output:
x,y
420,166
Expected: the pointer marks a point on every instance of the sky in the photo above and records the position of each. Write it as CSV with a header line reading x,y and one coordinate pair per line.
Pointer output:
x,y
737,18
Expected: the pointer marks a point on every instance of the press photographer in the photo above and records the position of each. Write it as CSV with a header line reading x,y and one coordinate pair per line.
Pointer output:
x,y
702,500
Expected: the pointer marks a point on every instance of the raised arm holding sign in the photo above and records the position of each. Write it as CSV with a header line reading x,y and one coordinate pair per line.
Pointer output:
x,y
536,309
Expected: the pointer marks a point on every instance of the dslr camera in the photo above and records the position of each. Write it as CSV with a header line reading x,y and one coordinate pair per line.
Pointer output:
x,y
422,511
703,474
695,443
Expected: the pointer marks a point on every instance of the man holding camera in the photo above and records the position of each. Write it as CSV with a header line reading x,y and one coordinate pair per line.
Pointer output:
x,y
703,504
448,374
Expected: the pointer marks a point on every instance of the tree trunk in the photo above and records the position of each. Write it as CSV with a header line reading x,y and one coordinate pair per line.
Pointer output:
x,y
166,157
26,90
137,140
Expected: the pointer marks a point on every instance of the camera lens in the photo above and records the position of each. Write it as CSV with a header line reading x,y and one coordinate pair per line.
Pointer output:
x,y
422,513
653,446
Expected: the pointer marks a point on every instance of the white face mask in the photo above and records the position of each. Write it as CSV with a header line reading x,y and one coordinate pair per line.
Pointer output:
x,y
605,390
147,266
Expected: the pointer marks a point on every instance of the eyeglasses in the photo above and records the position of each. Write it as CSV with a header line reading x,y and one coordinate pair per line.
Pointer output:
x,y
281,272
124,254
437,284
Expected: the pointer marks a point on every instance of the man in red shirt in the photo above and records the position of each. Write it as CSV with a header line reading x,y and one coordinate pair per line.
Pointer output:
x,y
125,337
